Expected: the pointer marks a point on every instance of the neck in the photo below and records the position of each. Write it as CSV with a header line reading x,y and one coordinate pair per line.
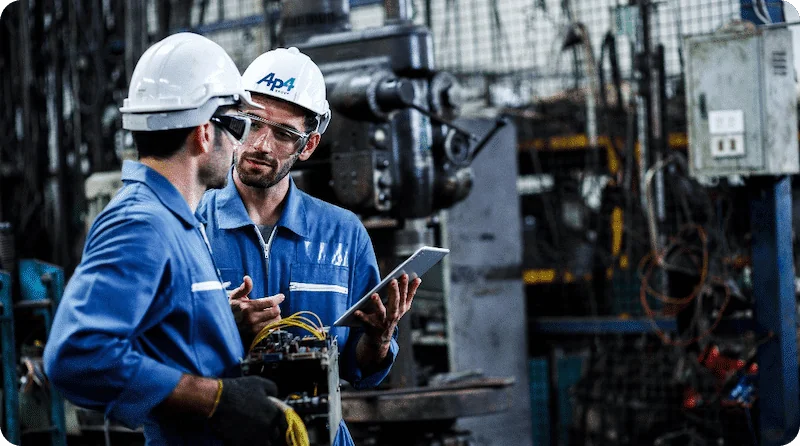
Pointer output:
x,y
264,205
182,173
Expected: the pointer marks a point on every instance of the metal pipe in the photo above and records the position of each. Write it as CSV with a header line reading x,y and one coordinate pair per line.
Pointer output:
x,y
28,138
99,152
398,11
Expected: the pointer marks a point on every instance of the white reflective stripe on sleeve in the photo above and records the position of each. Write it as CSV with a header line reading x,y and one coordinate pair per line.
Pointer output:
x,y
206,286
316,287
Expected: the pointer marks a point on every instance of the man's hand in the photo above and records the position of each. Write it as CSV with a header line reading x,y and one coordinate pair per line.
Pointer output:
x,y
239,410
246,415
379,324
252,315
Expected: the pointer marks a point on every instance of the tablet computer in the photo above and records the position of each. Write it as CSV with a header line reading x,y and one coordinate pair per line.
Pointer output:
x,y
415,266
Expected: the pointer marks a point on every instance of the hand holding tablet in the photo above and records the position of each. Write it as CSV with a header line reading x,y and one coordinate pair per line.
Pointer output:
x,y
415,266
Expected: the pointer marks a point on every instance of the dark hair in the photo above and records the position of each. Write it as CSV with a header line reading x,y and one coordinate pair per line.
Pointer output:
x,y
310,122
162,143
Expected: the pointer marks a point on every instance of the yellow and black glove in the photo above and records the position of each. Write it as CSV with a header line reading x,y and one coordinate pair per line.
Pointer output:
x,y
246,414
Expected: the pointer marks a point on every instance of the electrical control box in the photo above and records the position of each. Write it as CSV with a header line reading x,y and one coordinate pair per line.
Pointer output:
x,y
741,103
306,371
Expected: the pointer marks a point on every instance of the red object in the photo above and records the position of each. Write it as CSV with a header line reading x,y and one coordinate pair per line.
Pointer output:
x,y
721,366
691,398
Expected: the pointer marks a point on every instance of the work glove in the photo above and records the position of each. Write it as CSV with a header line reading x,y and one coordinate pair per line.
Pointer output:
x,y
246,415
296,433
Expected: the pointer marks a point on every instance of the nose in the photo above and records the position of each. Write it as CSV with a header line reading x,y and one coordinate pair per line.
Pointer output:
x,y
262,143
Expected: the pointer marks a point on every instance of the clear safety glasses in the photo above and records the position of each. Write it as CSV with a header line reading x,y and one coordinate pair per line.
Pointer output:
x,y
286,138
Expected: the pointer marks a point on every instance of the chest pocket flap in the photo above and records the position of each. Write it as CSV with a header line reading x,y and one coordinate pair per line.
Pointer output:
x,y
321,289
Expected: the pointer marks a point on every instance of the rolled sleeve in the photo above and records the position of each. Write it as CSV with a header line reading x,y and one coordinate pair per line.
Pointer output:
x,y
114,295
143,392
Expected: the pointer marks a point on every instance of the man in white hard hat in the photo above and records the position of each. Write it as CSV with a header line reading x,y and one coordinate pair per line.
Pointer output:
x,y
144,331
301,252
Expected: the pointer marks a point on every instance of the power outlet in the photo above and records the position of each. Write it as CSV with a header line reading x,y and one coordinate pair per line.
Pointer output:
x,y
727,133
728,146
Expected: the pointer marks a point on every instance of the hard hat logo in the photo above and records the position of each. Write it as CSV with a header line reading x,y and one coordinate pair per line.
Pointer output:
x,y
300,81
275,83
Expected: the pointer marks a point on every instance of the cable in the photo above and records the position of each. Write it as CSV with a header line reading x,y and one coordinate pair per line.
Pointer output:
x,y
649,175
651,315
296,433
652,259
296,320
313,314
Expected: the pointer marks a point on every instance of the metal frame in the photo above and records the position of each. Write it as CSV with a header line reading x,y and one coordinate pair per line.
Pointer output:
x,y
9,356
774,292
33,275
594,325
257,20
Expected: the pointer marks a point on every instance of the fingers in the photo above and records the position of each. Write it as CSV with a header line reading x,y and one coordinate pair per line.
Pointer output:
x,y
377,317
395,298
258,313
412,291
242,290
267,302
363,317
380,310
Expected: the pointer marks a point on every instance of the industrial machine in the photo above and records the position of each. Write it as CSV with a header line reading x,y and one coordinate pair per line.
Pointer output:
x,y
391,148
394,155
742,113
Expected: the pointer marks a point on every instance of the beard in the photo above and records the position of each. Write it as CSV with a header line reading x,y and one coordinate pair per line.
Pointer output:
x,y
214,174
258,178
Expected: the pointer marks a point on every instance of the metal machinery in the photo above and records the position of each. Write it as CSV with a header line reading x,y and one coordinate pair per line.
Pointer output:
x,y
739,355
742,110
391,149
393,155
31,406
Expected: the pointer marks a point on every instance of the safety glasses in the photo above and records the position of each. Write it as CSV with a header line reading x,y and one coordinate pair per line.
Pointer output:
x,y
237,126
285,137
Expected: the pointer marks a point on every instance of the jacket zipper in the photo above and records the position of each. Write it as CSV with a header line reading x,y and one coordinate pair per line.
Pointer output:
x,y
266,246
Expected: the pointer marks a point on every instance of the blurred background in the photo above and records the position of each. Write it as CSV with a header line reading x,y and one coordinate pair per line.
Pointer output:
x,y
622,269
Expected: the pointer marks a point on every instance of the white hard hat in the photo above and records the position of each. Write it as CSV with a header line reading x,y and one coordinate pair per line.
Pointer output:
x,y
288,74
180,82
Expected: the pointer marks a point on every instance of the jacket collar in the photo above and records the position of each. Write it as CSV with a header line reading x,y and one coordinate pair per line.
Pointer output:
x,y
231,213
161,187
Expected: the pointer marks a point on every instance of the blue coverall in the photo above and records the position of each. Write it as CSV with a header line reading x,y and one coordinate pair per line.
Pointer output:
x,y
144,306
318,255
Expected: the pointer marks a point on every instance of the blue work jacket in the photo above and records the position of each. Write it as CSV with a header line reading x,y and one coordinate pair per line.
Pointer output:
x,y
144,306
318,255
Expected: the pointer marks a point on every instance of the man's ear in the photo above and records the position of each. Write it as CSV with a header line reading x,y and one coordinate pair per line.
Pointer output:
x,y
201,139
311,146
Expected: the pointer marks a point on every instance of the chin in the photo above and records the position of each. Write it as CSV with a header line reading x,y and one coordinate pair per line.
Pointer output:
x,y
261,182
219,184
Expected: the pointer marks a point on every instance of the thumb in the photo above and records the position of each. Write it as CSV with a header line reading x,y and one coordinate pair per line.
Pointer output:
x,y
242,290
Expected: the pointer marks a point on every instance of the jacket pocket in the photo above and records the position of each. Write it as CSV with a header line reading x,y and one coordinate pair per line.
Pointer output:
x,y
321,289
231,278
